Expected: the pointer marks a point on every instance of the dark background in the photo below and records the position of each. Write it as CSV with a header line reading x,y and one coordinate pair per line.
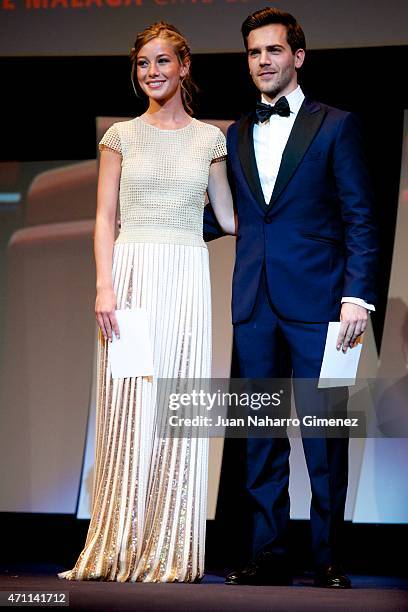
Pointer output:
x,y
49,110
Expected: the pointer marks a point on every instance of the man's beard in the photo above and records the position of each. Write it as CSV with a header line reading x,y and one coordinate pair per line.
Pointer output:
x,y
274,91
276,88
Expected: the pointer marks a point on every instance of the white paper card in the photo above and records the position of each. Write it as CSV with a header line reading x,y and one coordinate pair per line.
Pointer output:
x,y
338,369
131,354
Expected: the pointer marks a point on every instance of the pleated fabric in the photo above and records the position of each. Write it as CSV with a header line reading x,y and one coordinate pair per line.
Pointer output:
x,y
149,497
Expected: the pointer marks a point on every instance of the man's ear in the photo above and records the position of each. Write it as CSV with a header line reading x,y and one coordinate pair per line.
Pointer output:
x,y
299,58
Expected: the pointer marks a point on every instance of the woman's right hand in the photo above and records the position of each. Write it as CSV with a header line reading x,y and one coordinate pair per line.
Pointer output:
x,y
105,306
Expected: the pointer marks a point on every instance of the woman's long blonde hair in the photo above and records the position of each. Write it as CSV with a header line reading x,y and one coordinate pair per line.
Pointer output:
x,y
161,29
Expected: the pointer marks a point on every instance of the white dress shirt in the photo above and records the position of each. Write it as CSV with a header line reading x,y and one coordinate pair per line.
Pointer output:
x,y
270,138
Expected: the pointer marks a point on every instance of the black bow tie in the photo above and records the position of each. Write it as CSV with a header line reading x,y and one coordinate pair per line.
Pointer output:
x,y
264,111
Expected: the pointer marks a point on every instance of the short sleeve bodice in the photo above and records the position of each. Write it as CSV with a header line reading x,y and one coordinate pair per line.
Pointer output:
x,y
164,179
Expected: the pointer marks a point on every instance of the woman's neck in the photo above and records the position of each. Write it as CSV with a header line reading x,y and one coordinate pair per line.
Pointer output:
x,y
168,114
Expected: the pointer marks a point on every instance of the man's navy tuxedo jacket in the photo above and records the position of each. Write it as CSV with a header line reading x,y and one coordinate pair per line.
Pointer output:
x,y
316,237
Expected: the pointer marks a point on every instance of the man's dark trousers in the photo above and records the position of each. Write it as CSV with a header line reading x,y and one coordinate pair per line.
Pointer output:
x,y
269,347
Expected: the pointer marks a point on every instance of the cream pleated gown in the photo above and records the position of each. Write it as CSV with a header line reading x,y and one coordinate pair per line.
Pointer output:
x,y
149,496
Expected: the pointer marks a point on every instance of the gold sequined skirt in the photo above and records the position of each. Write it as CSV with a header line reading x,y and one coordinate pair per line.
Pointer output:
x,y
149,496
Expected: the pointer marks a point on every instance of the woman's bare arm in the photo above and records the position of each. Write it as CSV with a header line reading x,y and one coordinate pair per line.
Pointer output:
x,y
220,196
107,198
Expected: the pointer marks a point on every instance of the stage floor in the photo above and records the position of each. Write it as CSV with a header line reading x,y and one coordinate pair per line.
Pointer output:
x,y
369,593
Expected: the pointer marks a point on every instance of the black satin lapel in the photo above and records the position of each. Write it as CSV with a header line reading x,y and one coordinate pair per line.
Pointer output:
x,y
307,123
246,154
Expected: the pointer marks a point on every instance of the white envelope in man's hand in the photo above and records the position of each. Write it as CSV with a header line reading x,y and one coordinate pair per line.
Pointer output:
x,y
131,355
338,369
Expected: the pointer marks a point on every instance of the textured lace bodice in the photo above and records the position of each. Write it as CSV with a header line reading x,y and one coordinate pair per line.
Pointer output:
x,y
164,179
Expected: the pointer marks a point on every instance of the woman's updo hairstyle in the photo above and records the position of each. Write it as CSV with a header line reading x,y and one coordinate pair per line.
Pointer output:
x,y
161,29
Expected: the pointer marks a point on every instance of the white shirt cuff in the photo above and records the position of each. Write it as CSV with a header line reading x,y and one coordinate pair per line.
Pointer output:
x,y
359,302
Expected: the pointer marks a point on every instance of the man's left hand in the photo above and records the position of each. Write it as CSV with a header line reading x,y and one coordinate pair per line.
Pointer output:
x,y
353,323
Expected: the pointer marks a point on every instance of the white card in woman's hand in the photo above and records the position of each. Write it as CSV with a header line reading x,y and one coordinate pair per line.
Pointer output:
x,y
131,355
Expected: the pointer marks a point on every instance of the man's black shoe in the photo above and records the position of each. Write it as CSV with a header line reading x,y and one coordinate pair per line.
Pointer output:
x,y
265,570
332,577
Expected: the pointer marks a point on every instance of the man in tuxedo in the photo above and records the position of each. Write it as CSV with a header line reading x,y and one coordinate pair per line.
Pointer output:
x,y
306,255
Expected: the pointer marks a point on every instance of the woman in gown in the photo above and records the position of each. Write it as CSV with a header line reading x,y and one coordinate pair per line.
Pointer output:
x,y
149,497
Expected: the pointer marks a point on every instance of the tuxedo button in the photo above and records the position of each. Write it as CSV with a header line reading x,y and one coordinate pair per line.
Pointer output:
x,y
268,219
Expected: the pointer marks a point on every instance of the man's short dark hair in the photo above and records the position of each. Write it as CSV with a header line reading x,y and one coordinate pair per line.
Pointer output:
x,y
269,15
